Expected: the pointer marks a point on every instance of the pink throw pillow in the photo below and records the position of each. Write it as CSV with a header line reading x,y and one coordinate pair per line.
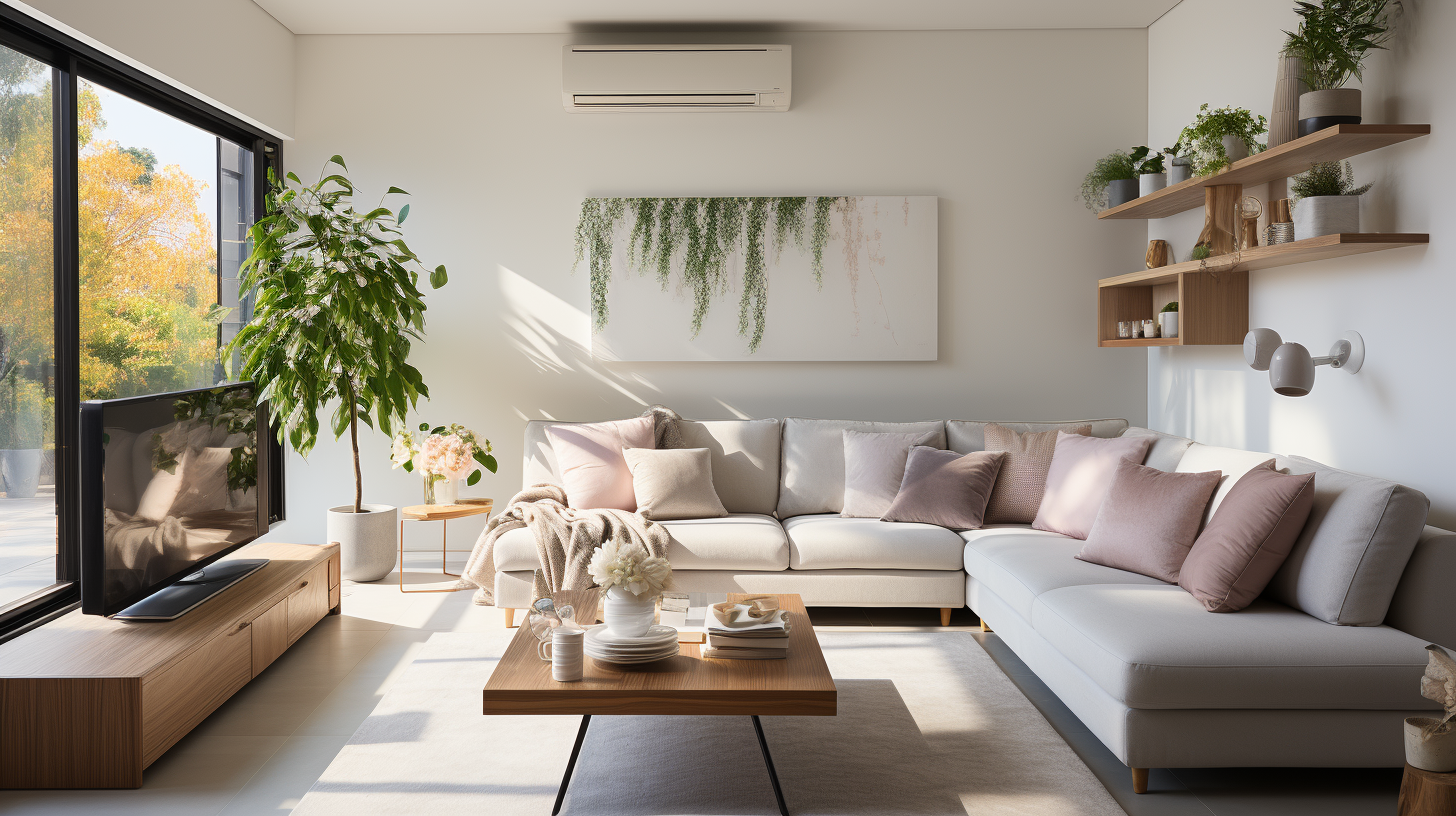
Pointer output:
x,y
1150,520
593,469
1080,475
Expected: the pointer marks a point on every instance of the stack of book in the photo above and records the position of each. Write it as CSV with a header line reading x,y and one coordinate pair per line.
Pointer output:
x,y
745,637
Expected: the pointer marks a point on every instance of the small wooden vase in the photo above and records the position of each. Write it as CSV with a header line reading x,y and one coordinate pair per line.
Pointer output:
x,y
1157,253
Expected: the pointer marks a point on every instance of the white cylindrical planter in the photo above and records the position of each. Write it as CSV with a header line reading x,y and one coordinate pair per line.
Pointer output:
x,y
20,472
1169,323
367,540
1235,148
1321,109
1437,754
1121,191
1179,173
628,615
1326,215
1149,183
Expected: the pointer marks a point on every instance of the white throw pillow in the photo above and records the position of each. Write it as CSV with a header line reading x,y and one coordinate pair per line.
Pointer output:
x,y
674,483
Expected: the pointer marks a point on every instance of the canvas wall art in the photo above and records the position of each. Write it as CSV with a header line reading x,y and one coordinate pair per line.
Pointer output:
x,y
772,279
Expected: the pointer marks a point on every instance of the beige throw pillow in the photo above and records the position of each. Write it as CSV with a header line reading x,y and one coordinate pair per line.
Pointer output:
x,y
1023,475
674,484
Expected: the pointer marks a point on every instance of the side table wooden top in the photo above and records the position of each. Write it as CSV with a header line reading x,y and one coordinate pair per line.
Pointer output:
x,y
440,512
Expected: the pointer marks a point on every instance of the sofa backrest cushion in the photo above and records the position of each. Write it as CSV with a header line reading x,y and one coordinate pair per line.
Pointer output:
x,y
1232,462
1350,557
1167,449
966,435
1424,605
745,459
812,477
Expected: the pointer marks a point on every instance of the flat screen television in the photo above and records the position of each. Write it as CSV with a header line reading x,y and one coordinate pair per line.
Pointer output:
x,y
171,483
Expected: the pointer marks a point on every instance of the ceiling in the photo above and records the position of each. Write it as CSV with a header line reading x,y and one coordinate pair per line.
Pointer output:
x,y
587,16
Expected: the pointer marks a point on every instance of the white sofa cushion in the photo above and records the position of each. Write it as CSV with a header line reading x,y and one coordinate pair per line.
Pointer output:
x,y
736,542
812,478
1234,463
834,542
1019,563
966,435
1157,647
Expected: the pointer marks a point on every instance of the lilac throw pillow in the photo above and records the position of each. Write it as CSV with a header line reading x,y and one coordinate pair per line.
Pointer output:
x,y
1077,481
593,469
946,488
1149,520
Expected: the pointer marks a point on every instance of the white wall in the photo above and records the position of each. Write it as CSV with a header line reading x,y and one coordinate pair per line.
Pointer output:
x,y
1000,125
229,51
1390,419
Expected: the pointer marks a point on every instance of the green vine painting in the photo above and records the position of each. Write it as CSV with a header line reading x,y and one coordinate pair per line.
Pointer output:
x,y
696,237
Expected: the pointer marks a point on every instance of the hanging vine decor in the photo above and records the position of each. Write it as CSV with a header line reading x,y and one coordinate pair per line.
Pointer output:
x,y
697,236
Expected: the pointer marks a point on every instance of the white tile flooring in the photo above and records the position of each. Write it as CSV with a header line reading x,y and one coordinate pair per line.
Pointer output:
x,y
27,545
260,752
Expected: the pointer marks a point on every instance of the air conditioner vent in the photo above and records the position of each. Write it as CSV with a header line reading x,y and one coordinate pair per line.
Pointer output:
x,y
602,78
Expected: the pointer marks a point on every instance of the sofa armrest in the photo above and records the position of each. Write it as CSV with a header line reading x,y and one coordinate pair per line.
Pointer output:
x,y
1425,600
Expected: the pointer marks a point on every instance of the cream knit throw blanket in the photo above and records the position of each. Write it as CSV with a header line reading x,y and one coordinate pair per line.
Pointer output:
x,y
565,540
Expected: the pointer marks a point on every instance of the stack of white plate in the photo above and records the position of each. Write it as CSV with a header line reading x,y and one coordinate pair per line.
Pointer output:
x,y
659,643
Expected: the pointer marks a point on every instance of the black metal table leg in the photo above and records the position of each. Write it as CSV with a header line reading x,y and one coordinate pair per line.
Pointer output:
x,y
576,751
768,762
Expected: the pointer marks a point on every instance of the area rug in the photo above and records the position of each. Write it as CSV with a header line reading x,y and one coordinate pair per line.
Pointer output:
x,y
927,724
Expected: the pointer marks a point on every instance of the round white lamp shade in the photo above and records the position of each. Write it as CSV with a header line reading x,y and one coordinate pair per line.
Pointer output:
x,y
1291,370
1259,346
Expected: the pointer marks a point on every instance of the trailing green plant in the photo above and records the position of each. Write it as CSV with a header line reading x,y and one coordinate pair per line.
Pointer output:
x,y
1171,306
337,307
697,236
1327,179
1204,138
1333,38
1145,161
1115,166
22,413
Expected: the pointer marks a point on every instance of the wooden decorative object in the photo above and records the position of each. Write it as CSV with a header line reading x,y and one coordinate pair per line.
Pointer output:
x,y
1158,252
1288,85
1221,219
1249,211
1423,793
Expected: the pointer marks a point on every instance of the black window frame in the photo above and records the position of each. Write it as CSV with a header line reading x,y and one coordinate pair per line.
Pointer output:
x,y
72,60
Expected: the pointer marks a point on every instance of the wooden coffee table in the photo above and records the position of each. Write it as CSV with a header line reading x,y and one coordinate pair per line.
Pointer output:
x,y
797,686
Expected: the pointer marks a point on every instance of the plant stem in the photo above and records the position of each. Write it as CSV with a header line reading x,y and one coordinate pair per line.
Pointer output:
x,y
354,445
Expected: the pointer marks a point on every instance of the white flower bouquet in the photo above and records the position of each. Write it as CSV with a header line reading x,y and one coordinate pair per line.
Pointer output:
x,y
629,567
453,452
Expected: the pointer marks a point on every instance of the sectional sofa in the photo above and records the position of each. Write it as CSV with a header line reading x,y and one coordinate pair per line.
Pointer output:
x,y
1319,671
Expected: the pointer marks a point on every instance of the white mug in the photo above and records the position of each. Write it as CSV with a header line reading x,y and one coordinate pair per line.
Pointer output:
x,y
564,650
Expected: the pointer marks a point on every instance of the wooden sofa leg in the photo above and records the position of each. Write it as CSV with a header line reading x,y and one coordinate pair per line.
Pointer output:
x,y
1139,780
945,616
510,617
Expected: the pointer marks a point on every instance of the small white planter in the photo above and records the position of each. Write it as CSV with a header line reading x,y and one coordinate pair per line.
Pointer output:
x,y
367,540
628,615
1149,183
1169,323
20,472
1326,215
1437,754
1235,148
1179,173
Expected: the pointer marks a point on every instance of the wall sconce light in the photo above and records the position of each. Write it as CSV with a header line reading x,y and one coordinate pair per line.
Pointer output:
x,y
1291,368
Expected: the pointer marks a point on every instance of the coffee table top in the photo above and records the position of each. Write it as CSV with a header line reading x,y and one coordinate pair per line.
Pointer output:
x,y
798,685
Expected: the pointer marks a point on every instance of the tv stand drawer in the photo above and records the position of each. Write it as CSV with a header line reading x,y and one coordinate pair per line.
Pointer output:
x,y
177,699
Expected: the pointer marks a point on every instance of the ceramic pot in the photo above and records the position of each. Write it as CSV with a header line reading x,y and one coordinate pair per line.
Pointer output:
x,y
1321,109
1235,148
20,470
1121,191
628,615
1169,323
439,490
1326,215
1179,173
1149,183
366,540
1437,754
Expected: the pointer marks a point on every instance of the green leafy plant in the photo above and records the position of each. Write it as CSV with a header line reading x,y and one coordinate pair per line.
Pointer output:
x,y
1204,138
1327,179
337,307
1118,165
1145,161
1333,38
1200,253
1172,306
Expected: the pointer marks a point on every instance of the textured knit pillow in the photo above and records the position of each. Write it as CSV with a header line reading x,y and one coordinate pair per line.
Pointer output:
x,y
946,488
874,466
1078,479
1149,520
1022,478
592,468
1248,538
674,484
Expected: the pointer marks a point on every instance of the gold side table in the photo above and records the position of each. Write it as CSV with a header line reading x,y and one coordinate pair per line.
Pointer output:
x,y
441,513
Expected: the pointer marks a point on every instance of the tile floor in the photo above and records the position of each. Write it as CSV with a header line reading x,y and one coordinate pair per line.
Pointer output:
x,y
261,751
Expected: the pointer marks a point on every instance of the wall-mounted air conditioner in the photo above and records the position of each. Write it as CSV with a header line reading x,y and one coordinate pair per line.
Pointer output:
x,y
623,78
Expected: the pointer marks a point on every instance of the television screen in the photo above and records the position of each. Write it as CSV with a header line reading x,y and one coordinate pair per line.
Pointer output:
x,y
170,483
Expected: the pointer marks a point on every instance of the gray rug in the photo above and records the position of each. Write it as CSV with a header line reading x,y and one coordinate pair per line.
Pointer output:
x,y
927,724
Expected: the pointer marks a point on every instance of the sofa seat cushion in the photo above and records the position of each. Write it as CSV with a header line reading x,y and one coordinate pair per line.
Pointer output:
x,y
737,542
1157,647
1019,563
824,542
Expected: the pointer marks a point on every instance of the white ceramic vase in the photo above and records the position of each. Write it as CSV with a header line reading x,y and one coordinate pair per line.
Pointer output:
x,y
1169,323
1437,754
1149,183
1326,215
366,540
628,615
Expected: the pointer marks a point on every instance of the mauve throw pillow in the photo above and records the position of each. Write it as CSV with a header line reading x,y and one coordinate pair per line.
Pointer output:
x,y
1023,475
874,467
589,456
946,488
1248,538
1078,479
1149,520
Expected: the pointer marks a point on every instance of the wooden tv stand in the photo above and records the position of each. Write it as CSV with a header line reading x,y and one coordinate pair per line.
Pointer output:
x,y
88,702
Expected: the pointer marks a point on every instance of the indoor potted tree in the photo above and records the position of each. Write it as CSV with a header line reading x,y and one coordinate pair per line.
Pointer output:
x,y
337,307
1332,40
1112,181
1151,175
1218,138
1326,200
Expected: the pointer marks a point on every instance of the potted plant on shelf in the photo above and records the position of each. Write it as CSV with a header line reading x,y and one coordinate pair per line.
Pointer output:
x,y
444,457
1180,163
337,307
1150,172
22,432
1326,200
1332,41
1220,137
1112,181
1168,319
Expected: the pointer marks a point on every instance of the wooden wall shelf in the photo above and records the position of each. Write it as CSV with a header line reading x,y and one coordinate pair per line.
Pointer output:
x,y
1289,159
1266,257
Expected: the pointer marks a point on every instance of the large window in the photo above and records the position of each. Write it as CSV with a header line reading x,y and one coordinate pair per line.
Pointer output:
x,y
124,210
